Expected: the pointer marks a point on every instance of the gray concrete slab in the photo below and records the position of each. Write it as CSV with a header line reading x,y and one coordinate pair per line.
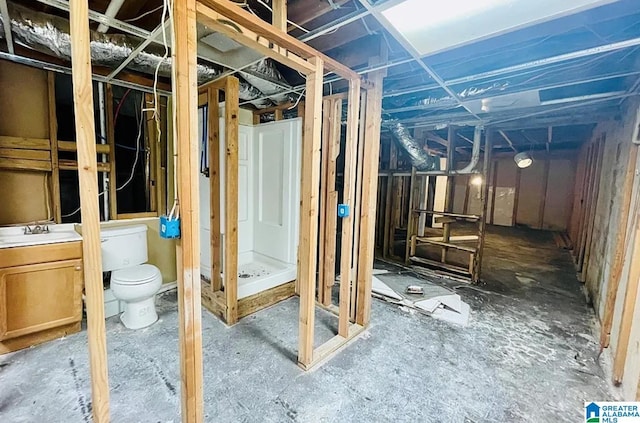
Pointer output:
x,y
528,355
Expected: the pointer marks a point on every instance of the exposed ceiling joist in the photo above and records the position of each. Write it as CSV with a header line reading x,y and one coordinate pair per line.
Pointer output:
x,y
508,140
152,37
302,12
334,25
6,20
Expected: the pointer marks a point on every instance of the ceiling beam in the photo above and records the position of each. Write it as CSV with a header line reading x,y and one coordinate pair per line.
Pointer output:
x,y
6,20
343,35
302,12
604,48
334,25
506,138
152,37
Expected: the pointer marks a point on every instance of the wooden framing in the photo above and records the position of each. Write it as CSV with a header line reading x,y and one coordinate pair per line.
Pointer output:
x,y
222,299
53,137
628,307
88,180
332,118
361,178
619,255
188,247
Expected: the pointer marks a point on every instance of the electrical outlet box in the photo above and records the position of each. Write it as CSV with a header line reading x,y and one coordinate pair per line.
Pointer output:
x,y
343,210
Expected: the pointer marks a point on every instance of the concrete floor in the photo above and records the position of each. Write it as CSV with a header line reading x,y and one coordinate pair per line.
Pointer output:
x,y
528,355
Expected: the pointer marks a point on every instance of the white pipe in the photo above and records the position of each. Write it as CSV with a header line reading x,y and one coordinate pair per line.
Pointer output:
x,y
111,12
103,157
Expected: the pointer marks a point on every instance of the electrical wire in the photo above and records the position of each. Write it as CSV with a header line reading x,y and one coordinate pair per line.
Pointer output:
x,y
298,100
144,14
135,163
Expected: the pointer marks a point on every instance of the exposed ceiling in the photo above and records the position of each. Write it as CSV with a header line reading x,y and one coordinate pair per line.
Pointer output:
x,y
567,71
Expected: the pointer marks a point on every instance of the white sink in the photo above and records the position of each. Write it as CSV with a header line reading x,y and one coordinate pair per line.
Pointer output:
x,y
14,237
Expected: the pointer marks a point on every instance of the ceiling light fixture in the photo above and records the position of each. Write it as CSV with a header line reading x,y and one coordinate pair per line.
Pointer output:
x,y
477,180
523,160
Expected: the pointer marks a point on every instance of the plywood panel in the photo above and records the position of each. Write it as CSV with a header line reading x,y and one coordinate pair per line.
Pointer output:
x,y
559,195
23,113
23,103
23,195
530,196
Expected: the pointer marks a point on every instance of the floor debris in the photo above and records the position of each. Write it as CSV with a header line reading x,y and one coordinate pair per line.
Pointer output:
x,y
434,300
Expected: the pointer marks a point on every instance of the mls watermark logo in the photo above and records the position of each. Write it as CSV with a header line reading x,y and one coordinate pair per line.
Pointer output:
x,y
593,413
612,412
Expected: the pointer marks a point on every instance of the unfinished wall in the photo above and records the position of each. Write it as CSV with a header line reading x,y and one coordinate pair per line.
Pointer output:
x,y
24,112
606,228
539,197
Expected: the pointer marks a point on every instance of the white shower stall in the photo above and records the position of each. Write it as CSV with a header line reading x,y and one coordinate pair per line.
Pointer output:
x,y
269,166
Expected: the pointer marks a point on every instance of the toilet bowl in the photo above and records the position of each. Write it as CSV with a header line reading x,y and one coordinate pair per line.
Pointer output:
x,y
124,253
137,287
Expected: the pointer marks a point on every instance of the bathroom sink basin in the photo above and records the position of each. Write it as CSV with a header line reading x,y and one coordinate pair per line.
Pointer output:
x,y
15,239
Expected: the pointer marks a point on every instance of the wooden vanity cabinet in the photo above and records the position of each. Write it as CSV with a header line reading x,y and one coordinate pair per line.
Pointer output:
x,y
40,294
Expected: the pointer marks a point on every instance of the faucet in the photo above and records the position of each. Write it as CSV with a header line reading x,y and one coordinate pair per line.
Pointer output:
x,y
38,229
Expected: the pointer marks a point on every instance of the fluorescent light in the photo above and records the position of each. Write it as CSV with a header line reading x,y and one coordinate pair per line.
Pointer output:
x,y
434,26
423,15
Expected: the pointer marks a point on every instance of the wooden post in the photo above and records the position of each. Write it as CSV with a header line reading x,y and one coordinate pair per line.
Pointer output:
x,y
448,198
387,239
279,18
213,131
621,244
231,113
369,190
592,214
324,190
310,187
328,259
482,229
53,138
111,140
346,251
628,309
410,216
358,204
88,180
185,92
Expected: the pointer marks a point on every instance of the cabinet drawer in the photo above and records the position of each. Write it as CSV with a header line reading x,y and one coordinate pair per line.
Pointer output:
x,y
21,256
41,296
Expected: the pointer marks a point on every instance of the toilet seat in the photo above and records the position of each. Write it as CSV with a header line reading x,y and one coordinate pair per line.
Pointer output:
x,y
136,275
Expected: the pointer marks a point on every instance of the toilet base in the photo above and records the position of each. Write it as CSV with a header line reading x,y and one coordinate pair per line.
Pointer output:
x,y
138,315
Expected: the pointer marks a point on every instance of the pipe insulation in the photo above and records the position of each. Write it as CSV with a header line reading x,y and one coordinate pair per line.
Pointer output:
x,y
426,163
420,159
49,34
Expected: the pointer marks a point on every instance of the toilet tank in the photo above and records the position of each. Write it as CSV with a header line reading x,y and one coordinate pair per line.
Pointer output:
x,y
124,246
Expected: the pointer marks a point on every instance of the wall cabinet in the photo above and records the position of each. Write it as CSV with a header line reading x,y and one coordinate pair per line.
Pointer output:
x,y
40,294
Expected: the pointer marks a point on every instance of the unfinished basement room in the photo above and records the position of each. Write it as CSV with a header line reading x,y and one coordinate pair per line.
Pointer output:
x,y
319,211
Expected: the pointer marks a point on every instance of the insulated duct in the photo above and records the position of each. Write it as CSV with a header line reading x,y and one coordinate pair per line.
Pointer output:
x,y
49,34
426,163
420,159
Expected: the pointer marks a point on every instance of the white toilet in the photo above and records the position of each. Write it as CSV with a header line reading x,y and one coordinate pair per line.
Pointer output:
x,y
124,252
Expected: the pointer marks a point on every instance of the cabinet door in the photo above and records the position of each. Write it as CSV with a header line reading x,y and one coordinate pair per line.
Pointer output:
x,y
37,297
